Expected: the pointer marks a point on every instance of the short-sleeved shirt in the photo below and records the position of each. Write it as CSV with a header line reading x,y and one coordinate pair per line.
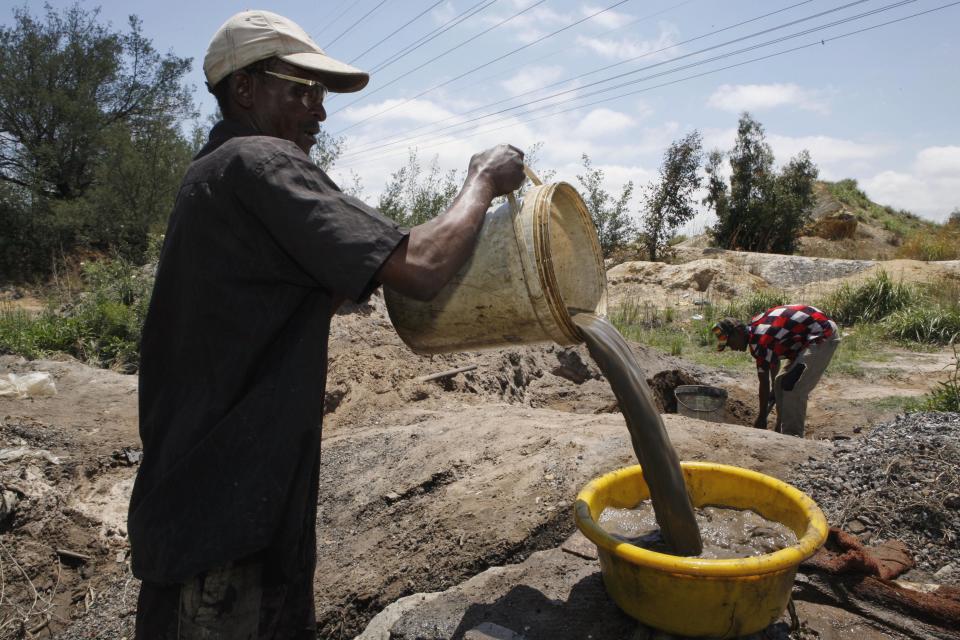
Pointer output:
x,y
259,246
783,331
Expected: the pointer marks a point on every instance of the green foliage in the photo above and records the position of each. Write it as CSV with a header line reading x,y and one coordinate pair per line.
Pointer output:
x,y
946,396
869,301
746,308
91,151
924,323
764,210
668,203
100,326
900,223
328,148
938,243
412,198
615,227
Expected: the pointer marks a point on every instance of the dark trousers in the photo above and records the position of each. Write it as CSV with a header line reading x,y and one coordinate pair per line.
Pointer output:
x,y
239,601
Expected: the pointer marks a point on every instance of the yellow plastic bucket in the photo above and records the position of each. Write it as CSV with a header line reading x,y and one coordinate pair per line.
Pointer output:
x,y
702,597
534,263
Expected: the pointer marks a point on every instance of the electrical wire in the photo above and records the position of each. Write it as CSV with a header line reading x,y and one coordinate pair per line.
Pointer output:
x,y
437,57
394,57
488,63
398,30
621,75
359,20
675,59
822,41
347,7
399,137
439,31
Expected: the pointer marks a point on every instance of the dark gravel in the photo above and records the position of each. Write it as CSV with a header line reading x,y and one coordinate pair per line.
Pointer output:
x,y
900,481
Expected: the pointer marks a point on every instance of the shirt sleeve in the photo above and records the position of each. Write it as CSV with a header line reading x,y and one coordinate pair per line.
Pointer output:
x,y
335,238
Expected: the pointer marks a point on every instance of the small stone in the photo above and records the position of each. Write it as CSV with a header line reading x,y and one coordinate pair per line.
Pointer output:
x,y
856,527
391,497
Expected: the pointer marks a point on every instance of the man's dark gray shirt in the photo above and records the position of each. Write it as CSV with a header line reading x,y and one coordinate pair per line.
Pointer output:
x,y
234,354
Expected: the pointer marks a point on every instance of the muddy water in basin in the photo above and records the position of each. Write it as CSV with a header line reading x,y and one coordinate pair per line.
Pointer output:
x,y
726,533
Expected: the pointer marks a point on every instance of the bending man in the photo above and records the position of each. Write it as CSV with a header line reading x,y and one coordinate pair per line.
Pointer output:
x,y
802,335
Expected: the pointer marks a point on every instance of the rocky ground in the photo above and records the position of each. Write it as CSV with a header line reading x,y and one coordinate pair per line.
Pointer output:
x,y
459,486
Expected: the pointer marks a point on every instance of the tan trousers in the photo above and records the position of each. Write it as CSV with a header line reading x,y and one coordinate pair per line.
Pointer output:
x,y
792,405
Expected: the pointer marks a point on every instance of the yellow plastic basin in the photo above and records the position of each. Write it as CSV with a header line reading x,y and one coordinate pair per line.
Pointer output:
x,y
702,597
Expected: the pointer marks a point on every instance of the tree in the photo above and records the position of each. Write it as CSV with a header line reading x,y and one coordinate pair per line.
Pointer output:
x,y
91,147
412,198
610,216
668,202
65,83
764,210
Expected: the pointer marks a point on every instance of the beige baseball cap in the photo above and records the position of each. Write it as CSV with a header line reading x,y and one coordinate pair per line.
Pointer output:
x,y
255,35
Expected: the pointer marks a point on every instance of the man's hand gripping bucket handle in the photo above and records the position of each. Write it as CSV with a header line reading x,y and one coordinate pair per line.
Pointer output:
x,y
533,178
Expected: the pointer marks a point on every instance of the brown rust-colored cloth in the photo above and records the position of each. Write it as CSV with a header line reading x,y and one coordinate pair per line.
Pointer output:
x,y
861,578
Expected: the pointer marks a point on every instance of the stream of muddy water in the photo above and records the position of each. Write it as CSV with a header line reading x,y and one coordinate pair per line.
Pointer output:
x,y
661,466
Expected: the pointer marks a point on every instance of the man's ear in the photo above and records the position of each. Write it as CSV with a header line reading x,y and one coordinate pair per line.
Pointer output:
x,y
241,89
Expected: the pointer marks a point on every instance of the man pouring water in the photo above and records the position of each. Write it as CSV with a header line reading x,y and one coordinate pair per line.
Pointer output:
x,y
260,250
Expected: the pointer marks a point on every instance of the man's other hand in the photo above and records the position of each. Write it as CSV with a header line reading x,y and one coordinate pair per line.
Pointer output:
x,y
501,167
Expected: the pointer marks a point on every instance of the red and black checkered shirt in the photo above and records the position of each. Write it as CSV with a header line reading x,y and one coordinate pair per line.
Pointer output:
x,y
782,332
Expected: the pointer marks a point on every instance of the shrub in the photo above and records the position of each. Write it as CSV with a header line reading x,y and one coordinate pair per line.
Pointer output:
x,y
941,243
868,301
946,396
926,323
746,308
100,326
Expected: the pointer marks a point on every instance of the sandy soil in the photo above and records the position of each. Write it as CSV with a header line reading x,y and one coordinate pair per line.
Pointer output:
x,y
424,484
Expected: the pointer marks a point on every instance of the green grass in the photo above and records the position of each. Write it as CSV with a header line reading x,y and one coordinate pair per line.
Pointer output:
x,y
898,222
100,326
869,301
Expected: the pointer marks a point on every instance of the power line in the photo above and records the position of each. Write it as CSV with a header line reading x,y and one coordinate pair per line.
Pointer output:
x,y
398,139
347,7
615,77
359,20
398,30
821,42
359,158
488,63
435,33
660,64
435,58
466,15
599,35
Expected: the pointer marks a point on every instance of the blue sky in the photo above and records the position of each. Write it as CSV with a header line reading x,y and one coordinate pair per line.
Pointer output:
x,y
879,107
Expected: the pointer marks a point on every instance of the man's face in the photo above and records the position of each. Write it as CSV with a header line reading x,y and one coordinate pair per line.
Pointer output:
x,y
278,107
737,341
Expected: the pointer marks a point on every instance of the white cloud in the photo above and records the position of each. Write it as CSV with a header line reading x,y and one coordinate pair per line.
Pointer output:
x,y
607,19
759,97
825,150
601,122
531,78
931,188
629,47
415,110
939,161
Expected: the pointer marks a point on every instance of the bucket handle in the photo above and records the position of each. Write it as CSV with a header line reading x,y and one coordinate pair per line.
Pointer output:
x,y
528,171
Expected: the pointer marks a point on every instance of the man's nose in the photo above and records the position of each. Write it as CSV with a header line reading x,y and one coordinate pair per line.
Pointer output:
x,y
318,111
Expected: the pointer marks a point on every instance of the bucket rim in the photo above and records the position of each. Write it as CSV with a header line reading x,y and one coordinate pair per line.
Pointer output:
x,y
543,198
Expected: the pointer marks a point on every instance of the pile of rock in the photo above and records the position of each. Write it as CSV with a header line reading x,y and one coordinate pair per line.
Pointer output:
x,y
901,481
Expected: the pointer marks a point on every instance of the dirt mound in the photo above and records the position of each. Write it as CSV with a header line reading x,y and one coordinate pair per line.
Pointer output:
x,y
679,285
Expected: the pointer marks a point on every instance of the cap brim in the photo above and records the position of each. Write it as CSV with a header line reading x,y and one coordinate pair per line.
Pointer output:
x,y
339,77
